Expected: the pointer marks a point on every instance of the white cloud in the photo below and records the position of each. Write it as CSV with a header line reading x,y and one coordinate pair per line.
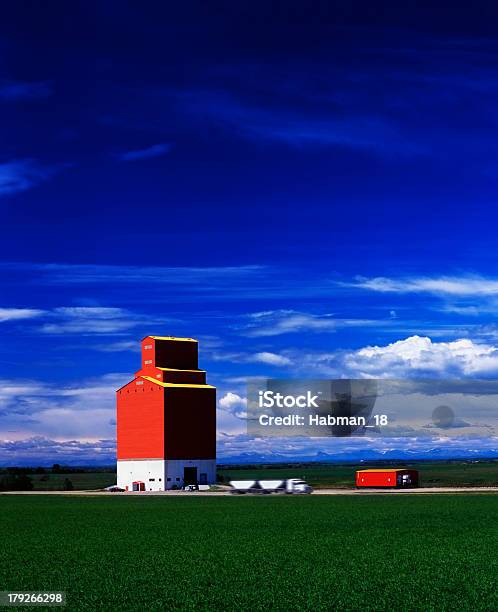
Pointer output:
x,y
443,285
117,347
89,320
271,359
181,276
473,311
277,322
35,408
89,311
231,401
92,320
420,354
231,415
15,314
40,450
265,357
412,357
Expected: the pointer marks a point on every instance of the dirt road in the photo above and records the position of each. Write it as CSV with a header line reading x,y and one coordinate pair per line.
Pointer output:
x,y
421,490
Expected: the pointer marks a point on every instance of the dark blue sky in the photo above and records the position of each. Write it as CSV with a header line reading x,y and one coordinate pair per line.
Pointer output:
x,y
291,183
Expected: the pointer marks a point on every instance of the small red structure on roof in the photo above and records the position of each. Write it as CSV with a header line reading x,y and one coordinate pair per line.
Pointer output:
x,y
387,478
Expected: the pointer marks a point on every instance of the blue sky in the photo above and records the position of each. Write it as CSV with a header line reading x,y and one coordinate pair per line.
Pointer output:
x,y
309,190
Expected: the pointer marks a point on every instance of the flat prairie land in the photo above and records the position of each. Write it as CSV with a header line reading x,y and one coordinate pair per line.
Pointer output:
x,y
80,481
432,474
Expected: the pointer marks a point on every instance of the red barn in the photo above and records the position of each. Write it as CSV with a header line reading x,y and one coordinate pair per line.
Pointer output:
x,y
387,477
166,420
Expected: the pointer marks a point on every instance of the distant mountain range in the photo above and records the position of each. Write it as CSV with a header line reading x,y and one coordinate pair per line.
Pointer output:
x,y
365,455
343,456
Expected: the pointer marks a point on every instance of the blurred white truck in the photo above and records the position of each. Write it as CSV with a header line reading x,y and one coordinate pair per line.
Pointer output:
x,y
289,486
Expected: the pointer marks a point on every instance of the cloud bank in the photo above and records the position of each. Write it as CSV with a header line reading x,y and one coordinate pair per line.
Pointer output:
x,y
35,413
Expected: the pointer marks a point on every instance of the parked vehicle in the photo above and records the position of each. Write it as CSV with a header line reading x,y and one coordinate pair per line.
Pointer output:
x,y
196,487
289,486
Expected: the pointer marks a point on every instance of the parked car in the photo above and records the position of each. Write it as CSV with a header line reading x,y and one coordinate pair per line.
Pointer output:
x,y
114,489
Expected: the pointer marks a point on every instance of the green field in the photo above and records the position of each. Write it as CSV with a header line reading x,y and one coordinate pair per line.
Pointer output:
x,y
244,553
434,474
82,481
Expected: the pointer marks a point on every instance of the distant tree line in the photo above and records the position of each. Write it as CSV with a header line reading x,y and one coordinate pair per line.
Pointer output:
x,y
57,468
15,479
21,478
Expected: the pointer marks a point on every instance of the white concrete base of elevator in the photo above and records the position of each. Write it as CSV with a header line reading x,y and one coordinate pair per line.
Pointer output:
x,y
163,474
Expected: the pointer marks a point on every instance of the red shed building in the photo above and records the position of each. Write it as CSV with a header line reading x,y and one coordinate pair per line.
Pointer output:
x,y
166,420
387,477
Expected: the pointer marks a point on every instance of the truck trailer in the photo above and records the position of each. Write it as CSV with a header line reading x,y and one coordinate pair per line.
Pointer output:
x,y
394,478
255,487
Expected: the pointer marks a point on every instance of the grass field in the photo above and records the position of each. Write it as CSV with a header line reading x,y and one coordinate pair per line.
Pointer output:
x,y
238,553
336,475
84,481
433,474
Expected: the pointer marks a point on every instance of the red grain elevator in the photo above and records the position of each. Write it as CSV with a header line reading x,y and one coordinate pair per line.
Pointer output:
x,y
166,420
395,478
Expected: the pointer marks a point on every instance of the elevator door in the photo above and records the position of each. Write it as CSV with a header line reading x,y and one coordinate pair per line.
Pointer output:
x,y
189,475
